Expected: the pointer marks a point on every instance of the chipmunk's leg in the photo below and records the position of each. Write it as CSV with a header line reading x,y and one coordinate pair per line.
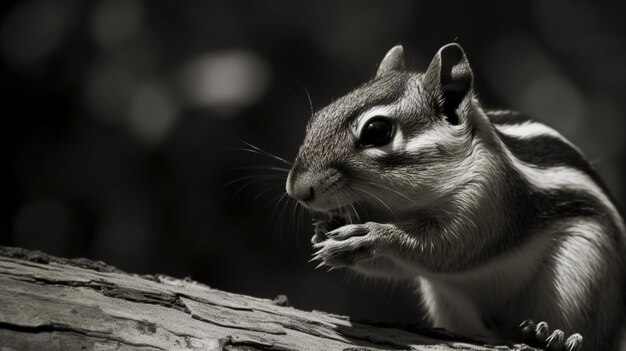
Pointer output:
x,y
539,335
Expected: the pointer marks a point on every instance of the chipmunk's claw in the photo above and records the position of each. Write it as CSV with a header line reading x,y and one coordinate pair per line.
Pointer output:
x,y
574,342
539,335
556,340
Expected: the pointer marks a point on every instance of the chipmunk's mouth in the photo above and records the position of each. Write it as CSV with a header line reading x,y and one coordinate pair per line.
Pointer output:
x,y
328,222
346,214
358,212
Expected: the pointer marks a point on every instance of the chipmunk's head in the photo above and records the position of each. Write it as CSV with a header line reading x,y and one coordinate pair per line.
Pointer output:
x,y
393,142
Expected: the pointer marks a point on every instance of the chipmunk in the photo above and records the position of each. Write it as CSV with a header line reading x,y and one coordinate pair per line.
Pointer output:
x,y
498,218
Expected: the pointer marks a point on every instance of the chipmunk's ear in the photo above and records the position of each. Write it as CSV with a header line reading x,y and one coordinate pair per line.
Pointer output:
x,y
449,75
393,61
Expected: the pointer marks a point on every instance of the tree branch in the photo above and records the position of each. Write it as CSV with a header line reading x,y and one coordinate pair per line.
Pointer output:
x,y
49,303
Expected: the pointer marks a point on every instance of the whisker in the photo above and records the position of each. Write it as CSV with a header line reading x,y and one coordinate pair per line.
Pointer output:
x,y
266,153
265,192
249,181
300,219
280,198
255,177
308,96
345,208
281,217
295,108
241,188
350,203
390,189
264,167
256,152
379,200
346,211
358,204
309,212
294,217
393,287
276,201
306,91
356,213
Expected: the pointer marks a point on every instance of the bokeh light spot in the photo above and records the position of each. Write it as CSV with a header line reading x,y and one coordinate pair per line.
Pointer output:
x,y
33,30
109,89
153,112
224,82
115,22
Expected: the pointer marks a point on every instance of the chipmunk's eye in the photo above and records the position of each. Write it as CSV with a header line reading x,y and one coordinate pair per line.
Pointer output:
x,y
376,132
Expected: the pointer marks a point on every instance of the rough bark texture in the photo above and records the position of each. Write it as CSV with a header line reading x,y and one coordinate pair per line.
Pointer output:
x,y
49,303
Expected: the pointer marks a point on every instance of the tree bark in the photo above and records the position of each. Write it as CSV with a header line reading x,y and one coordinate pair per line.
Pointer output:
x,y
49,303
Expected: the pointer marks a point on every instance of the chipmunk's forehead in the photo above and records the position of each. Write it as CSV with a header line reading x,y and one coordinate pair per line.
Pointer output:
x,y
381,91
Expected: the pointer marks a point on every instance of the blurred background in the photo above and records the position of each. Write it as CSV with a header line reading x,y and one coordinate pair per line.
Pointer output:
x,y
121,119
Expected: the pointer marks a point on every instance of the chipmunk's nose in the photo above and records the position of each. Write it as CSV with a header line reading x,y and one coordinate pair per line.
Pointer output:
x,y
302,192
300,185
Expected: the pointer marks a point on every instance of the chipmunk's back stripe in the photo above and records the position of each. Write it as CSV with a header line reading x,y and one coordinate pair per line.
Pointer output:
x,y
548,151
556,196
564,183
544,151
507,117
549,204
554,204
533,129
540,145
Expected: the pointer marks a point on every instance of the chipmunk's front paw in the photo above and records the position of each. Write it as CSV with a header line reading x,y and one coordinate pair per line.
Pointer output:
x,y
321,227
539,335
347,245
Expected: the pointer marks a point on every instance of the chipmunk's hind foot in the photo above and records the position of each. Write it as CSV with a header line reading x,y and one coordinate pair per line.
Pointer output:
x,y
539,335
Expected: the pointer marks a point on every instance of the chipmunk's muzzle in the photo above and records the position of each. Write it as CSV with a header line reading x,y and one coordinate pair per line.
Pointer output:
x,y
315,189
299,186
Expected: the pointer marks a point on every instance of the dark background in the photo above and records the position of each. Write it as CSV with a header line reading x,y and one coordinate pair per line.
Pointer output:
x,y
120,117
